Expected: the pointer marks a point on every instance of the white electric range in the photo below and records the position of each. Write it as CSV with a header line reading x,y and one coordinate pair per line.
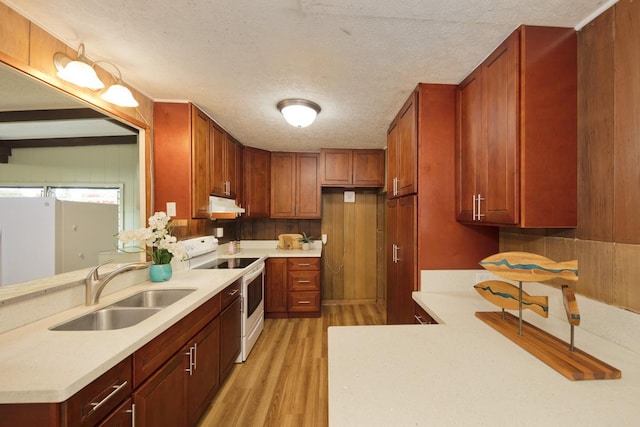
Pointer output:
x,y
202,255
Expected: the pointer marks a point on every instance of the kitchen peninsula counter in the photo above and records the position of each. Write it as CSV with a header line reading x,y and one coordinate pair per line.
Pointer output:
x,y
463,372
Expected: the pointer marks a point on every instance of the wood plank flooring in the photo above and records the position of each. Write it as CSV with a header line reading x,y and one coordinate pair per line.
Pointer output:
x,y
284,381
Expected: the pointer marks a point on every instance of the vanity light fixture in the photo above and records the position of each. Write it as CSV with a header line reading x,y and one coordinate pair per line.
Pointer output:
x,y
80,73
77,71
299,113
118,93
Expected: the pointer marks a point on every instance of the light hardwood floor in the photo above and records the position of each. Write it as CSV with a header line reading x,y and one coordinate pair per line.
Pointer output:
x,y
284,380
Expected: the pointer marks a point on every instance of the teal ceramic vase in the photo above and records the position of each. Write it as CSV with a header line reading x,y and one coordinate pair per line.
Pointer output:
x,y
160,272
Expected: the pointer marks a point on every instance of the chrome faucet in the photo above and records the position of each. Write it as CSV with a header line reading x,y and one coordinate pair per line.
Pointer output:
x,y
95,284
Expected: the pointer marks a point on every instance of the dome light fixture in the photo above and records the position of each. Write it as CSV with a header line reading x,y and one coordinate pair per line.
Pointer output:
x,y
80,73
297,112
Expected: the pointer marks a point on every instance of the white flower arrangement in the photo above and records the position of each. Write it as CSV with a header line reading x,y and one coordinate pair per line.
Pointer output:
x,y
158,237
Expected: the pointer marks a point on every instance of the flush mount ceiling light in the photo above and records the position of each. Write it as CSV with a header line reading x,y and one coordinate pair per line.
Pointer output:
x,y
299,113
81,73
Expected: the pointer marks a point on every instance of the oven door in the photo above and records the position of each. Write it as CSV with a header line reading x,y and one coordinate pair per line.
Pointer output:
x,y
254,285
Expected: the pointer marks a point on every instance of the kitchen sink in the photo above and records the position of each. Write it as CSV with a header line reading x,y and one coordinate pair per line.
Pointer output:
x,y
154,298
108,318
126,312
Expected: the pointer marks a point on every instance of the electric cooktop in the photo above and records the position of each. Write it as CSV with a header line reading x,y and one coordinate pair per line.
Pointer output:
x,y
223,263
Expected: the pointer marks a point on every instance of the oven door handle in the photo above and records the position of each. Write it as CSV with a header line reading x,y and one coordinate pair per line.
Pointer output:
x,y
253,274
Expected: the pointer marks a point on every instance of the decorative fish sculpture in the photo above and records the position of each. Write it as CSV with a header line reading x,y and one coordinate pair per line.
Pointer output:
x,y
505,295
570,305
528,267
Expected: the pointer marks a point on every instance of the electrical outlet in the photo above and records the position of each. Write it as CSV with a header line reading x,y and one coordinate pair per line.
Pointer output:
x,y
171,209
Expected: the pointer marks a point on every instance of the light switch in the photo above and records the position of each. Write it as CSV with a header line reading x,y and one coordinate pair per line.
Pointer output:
x,y
171,209
349,196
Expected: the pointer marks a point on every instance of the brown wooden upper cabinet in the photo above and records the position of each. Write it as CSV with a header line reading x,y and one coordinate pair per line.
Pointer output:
x,y
257,183
351,168
181,159
516,151
402,149
295,185
223,158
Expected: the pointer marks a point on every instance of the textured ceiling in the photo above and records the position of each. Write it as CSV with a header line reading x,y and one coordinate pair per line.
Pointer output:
x,y
358,59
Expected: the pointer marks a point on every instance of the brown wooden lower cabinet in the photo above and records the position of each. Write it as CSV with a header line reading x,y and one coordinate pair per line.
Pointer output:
x,y
275,288
230,337
292,287
161,400
168,382
121,416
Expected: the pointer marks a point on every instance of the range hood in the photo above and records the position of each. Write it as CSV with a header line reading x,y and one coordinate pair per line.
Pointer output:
x,y
219,207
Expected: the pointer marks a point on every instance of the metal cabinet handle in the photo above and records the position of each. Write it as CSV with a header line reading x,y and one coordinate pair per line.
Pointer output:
x,y
421,320
480,199
304,265
233,292
190,354
304,302
473,216
195,356
132,411
304,281
116,389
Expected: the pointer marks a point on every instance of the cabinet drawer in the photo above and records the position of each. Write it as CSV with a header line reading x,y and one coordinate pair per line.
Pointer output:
x,y
303,280
95,401
294,264
230,293
156,352
304,301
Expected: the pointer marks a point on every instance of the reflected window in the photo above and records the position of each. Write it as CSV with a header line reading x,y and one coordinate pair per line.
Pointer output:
x,y
22,191
87,194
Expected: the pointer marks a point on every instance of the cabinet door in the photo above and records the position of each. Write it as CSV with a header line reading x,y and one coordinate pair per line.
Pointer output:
x,y
283,185
308,190
230,158
230,337
407,147
501,115
392,158
257,182
205,378
336,167
200,146
368,168
120,417
275,288
401,259
218,142
239,175
470,164
161,400
392,266
407,273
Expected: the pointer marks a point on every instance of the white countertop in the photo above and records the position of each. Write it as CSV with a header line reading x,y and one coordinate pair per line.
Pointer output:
x,y
39,365
462,372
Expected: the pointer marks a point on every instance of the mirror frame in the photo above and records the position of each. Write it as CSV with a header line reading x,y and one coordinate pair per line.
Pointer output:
x,y
20,291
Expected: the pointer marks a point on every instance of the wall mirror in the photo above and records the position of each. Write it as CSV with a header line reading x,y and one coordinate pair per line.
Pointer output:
x,y
53,139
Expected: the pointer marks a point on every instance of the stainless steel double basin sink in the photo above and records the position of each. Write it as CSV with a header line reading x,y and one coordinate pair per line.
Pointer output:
x,y
125,313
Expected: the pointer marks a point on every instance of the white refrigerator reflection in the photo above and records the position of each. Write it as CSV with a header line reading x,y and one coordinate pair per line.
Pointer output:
x,y
42,236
